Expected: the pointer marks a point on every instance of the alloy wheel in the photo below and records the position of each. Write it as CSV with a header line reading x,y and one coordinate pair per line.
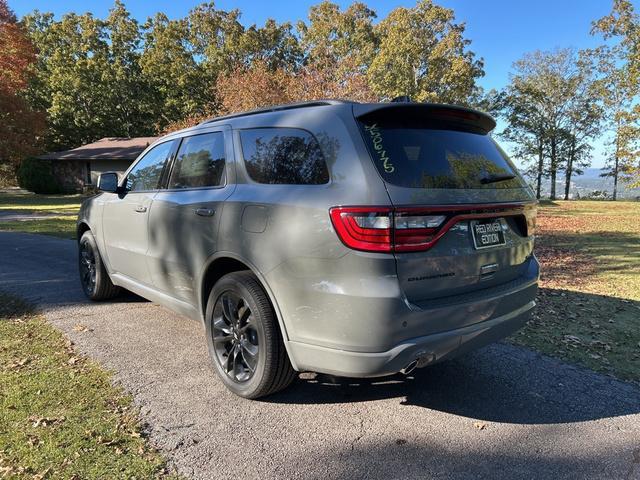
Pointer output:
x,y
235,337
87,268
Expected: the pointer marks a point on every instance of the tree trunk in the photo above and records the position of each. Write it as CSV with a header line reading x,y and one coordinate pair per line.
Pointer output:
x,y
615,179
553,169
569,171
615,165
540,168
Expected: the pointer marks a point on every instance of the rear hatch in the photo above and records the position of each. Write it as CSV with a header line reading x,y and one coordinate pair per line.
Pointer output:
x,y
463,215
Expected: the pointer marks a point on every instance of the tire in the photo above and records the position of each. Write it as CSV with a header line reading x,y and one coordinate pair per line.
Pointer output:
x,y
94,278
243,338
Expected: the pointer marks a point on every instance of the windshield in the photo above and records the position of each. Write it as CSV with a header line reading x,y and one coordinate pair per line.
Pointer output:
x,y
423,157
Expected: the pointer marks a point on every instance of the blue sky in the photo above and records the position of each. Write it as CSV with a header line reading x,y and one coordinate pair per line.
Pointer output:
x,y
501,31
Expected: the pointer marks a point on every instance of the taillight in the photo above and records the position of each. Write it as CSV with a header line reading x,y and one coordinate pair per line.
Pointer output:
x,y
381,229
411,229
530,215
363,228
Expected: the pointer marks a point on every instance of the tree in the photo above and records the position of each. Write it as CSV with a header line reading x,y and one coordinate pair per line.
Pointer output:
x,y
175,76
423,54
623,23
20,126
619,68
526,128
257,86
273,44
132,104
89,79
585,114
340,44
253,87
552,112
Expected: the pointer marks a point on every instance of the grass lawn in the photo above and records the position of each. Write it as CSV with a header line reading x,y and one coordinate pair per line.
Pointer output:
x,y
60,416
63,211
32,203
589,303
58,226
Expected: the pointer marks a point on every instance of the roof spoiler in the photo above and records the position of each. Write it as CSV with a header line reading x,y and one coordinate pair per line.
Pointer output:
x,y
447,113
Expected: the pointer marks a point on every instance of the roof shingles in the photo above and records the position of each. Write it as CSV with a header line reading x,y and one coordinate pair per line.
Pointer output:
x,y
110,148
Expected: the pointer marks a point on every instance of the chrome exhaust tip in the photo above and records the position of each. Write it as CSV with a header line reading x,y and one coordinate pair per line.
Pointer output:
x,y
409,368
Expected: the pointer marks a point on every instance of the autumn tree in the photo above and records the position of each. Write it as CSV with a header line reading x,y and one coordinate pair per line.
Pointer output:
x,y
247,88
423,53
258,86
20,126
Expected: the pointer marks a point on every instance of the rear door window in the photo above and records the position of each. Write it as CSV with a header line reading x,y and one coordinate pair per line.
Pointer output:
x,y
283,156
200,162
419,156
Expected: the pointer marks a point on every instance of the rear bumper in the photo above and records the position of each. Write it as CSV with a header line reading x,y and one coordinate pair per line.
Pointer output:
x,y
436,347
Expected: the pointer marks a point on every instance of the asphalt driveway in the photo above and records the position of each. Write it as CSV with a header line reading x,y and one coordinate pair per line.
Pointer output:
x,y
502,412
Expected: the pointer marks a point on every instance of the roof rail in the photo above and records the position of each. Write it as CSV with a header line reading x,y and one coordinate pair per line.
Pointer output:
x,y
277,108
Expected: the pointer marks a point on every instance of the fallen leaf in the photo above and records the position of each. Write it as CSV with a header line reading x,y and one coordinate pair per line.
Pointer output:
x,y
572,339
18,363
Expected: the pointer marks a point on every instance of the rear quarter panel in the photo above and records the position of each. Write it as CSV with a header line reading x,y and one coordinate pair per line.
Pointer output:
x,y
286,232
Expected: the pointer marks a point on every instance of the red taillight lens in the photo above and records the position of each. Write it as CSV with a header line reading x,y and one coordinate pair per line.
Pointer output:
x,y
380,229
415,230
363,228
411,229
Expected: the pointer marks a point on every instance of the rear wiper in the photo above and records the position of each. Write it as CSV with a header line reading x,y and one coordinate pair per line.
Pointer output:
x,y
500,177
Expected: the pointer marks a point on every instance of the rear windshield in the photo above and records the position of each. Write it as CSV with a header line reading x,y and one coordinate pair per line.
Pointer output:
x,y
420,156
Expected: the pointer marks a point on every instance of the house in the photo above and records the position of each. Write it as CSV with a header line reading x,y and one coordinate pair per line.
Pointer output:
x,y
77,169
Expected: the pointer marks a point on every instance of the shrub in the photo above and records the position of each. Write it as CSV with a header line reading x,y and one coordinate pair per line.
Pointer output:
x,y
7,176
36,176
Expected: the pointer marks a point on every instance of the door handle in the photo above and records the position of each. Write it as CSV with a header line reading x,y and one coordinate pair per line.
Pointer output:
x,y
140,209
205,212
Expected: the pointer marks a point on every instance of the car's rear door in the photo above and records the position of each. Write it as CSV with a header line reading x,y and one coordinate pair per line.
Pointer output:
x,y
126,214
183,224
461,208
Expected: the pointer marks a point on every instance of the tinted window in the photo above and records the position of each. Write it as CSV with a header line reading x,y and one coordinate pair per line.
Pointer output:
x,y
418,157
147,173
284,156
200,162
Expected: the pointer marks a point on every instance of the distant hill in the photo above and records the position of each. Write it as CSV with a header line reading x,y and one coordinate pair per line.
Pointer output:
x,y
584,185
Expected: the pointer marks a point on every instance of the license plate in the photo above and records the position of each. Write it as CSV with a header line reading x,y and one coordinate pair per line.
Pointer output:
x,y
487,233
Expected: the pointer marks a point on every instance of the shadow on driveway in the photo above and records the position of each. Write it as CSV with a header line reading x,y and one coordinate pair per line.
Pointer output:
x,y
500,383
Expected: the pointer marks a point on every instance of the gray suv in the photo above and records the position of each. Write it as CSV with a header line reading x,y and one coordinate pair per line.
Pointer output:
x,y
351,239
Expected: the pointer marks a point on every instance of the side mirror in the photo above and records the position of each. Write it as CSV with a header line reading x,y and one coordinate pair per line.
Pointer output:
x,y
108,182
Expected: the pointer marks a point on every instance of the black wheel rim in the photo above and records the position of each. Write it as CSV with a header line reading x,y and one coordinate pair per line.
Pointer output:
x,y
87,268
235,337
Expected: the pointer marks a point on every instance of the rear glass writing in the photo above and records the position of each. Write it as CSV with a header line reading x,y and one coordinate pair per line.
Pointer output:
x,y
378,147
430,158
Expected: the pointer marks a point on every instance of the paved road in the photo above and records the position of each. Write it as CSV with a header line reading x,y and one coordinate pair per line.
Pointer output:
x,y
17,215
543,418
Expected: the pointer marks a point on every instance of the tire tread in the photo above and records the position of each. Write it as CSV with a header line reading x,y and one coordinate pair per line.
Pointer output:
x,y
278,372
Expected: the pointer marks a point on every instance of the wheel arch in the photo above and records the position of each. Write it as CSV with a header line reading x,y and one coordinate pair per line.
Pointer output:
x,y
223,263
81,227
